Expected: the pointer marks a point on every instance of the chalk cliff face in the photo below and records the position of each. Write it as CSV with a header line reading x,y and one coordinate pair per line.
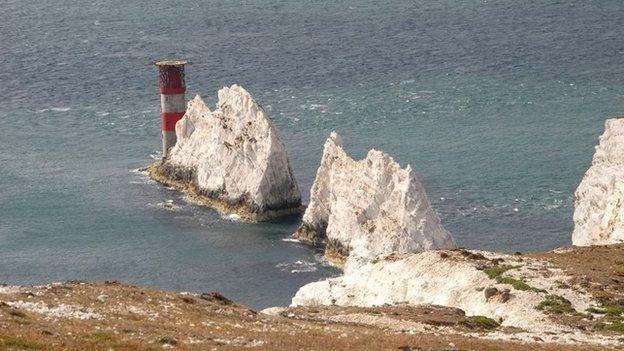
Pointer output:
x,y
476,282
369,207
599,199
232,158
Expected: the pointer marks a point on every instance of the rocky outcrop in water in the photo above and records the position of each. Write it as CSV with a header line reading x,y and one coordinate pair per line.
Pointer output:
x,y
369,207
232,159
599,199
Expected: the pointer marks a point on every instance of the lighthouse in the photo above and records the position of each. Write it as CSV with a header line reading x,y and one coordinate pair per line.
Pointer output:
x,y
172,102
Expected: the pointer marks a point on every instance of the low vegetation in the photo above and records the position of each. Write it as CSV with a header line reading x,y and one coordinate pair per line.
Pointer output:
x,y
471,255
614,310
555,304
617,327
613,316
19,343
496,273
480,323
168,340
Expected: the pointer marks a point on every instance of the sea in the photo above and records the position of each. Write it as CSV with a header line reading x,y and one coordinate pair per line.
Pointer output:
x,y
496,105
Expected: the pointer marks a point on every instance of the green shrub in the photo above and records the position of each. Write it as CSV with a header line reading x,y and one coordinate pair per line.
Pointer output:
x,y
556,305
496,271
617,327
516,283
480,323
614,310
595,310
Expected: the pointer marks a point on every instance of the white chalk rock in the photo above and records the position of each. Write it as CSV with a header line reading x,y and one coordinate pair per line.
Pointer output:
x,y
369,207
234,153
599,199
450,279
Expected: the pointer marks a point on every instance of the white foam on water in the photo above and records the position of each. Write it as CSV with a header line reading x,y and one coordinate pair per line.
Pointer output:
x,y
233,217
169,205
298,266
55,109
139,170
554,206
304,270
140,176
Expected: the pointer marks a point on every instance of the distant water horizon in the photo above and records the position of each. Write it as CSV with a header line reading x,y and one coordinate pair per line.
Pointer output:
x,y
497,106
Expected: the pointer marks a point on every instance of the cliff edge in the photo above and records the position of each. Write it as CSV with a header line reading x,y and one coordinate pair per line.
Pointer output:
x,y
599,199
566,295
111,315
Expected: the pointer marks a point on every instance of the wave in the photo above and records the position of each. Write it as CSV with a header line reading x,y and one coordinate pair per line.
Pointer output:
x,y
232,217
169,205
54,109
314,107
555,202
298,266
140,176
166,204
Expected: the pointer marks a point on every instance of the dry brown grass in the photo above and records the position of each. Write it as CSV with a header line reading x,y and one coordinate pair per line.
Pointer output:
x,y
136,318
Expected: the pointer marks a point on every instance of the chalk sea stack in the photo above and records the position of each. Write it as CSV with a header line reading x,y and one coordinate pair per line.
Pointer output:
x,y
599,199
231,159
368,207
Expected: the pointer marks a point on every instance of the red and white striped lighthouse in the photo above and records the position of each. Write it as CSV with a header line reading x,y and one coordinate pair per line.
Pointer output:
x,y
172,102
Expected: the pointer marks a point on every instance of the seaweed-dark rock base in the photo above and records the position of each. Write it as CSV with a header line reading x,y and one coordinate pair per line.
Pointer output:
x,y
184,179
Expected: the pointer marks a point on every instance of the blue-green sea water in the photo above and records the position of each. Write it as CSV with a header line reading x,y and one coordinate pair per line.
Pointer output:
x,y
496,104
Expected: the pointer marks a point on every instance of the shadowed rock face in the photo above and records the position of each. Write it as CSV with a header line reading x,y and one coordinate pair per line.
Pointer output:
x,y
599,199
232,155
369,207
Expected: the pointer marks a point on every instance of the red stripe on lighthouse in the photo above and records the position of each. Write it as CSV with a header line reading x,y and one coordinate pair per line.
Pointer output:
x,y
169,120
172,80
172,90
